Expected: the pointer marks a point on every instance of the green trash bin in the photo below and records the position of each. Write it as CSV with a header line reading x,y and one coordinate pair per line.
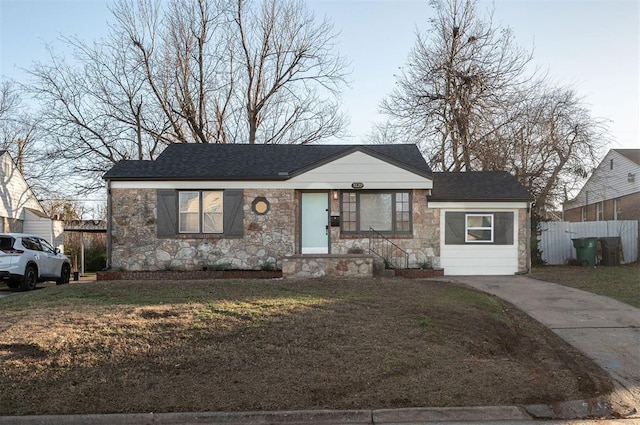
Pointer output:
x,y
585,250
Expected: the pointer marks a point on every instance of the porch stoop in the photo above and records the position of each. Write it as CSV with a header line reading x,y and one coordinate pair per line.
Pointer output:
x,y
320,265
380,270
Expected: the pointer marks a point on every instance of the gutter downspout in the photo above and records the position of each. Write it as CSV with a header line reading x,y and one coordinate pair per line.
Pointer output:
x,y
529,237
109,218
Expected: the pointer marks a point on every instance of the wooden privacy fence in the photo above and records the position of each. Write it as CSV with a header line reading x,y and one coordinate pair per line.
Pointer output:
x,y
557,247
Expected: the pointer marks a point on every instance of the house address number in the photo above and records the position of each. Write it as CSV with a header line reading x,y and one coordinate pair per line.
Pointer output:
x,y
357,185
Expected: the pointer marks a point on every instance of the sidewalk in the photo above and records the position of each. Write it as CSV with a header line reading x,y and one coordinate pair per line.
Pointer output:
x,y
604,329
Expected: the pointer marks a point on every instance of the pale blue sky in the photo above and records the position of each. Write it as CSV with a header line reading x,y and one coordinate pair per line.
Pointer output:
x,y
593,45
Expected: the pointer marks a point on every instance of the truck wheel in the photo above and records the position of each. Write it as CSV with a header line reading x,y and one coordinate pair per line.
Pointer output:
x,y
65,274
29,279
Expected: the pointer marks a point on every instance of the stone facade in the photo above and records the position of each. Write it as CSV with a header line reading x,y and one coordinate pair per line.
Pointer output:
x,y
319,265
423,246
524,246
135,245
267,238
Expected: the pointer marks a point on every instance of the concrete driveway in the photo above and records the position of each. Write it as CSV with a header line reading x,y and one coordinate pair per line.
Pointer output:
x,y
604,329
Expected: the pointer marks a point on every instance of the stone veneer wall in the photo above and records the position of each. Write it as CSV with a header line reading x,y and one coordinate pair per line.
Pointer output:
x,y
524,226
319,265
423,247
135,245
267,238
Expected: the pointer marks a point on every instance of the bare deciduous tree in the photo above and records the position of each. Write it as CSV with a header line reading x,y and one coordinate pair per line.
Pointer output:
x,y
204,71
289,72
19,135
468,98
550,146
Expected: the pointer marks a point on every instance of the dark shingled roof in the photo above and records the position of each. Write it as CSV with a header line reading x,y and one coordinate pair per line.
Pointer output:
x,y
256,162
632,154
478,186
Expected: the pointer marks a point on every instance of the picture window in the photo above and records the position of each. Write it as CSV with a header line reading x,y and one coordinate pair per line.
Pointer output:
x,y
386,212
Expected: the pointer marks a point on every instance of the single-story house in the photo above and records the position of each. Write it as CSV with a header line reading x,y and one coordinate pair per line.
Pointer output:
x,y
202,206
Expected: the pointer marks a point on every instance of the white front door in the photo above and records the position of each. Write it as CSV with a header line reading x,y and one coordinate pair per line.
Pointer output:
x,y
315,223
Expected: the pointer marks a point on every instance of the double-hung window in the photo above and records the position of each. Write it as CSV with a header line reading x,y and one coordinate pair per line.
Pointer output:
x,y
200,211
388,212
479,228
617,209
600,211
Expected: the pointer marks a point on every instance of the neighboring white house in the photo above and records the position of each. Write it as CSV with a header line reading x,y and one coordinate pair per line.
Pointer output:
x,y
20,210
612,191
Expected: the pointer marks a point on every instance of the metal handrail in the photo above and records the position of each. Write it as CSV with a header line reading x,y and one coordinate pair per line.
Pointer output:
x,y
381,246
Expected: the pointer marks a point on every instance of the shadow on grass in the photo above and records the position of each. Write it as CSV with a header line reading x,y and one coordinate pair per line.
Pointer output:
x,y
256,345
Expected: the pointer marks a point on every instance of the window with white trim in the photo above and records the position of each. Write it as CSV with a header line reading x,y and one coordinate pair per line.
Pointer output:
x,y
479,228
200,211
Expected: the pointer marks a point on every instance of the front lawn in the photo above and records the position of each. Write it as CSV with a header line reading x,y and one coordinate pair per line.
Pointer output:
x,y
273,345
621,282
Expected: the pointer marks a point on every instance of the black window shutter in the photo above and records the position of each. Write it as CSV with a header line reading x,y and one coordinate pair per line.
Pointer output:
x,y
233,212
454,228
167,210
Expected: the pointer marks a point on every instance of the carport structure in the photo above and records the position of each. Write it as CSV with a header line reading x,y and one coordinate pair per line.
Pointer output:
x,y
84,226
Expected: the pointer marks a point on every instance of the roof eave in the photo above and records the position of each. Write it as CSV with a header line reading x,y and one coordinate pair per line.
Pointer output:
x,y
431,199
239,178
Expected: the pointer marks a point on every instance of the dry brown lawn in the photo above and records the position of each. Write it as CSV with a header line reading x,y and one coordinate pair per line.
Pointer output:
x,y
619,282
273,345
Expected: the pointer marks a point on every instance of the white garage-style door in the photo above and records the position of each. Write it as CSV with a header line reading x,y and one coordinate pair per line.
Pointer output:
x,y
479,242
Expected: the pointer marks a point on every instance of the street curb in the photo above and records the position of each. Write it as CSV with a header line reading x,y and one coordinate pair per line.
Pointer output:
x,y
449,414
302,417
575,409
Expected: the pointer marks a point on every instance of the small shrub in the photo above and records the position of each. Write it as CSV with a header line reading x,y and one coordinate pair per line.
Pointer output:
x,y
425,264
268,266
221,267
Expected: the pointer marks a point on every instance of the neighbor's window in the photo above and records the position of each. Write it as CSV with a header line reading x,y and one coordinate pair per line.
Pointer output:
x,y
388,212
617,208
200,210
583,213
599,211
479,228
